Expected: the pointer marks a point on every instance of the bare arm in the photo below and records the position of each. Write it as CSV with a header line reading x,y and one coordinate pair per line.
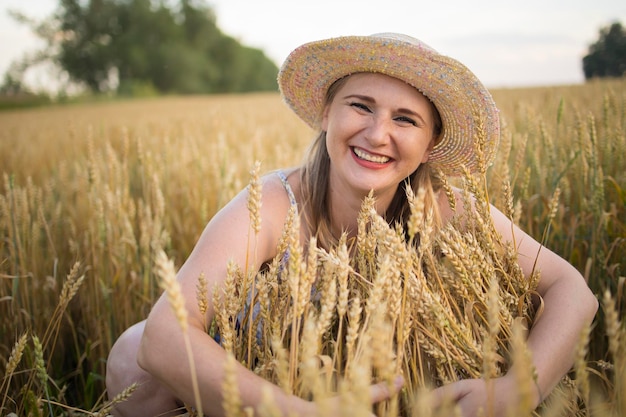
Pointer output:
x,y
162,352
569,306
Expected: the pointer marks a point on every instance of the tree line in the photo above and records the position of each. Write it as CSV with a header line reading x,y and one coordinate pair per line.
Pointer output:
x,y
139,47
129,46
607,56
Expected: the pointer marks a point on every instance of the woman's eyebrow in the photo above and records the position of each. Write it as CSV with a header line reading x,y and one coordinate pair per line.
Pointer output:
x,y
360,97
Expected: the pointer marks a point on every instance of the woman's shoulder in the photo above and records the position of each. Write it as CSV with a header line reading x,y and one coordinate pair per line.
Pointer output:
x,y
261,208
278,194
280,187
277,197
269,198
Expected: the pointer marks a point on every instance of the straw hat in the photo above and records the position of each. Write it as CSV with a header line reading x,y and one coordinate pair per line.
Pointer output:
x,y
471,125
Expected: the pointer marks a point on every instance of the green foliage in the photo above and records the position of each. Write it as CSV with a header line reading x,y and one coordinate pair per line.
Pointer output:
x,y
144,46
607,56
137,88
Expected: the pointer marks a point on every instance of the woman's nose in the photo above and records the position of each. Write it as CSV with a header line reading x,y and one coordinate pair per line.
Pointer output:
x,y
379,131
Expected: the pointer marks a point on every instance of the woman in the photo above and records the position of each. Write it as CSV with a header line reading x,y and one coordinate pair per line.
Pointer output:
x,y
389,109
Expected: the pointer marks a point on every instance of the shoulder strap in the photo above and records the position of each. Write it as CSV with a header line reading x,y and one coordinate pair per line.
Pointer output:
x,y
292,197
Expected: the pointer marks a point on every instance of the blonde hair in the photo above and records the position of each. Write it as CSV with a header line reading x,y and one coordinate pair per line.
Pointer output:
x,y
315,184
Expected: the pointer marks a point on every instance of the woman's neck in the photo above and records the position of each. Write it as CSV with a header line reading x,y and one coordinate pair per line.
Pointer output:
x,y
345,209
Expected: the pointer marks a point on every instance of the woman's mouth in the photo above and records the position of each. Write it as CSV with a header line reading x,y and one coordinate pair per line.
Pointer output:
x,y
366,156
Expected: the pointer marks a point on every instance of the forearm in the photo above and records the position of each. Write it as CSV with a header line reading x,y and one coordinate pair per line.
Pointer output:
x,y
164,355
569,306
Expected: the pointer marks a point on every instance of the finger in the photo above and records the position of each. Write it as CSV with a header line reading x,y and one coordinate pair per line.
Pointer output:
x,y
446,394
385,390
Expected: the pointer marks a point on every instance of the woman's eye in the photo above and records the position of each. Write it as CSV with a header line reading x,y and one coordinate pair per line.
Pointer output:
x,y
405,119
360,106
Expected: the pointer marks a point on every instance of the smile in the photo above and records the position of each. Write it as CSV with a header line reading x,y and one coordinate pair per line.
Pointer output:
x,y
369,157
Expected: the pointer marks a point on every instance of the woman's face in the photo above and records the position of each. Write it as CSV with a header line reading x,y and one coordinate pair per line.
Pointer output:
x,y
378,131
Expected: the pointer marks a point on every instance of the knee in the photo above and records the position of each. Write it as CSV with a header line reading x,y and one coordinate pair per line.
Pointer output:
x,y
150,398
122,369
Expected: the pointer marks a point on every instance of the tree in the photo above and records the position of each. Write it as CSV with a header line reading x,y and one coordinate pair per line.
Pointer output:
x,y
607,56
13,83
121,44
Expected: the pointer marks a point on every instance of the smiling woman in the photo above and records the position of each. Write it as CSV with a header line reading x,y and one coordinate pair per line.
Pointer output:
x,y
394,119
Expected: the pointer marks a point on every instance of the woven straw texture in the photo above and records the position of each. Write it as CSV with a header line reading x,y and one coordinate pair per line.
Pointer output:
x,y
471,125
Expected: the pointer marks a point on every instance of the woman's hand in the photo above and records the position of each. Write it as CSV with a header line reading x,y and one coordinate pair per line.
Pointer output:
x,y
384,391
479,397
335,407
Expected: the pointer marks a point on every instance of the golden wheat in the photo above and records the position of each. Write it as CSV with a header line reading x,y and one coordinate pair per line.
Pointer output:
x,y
122,181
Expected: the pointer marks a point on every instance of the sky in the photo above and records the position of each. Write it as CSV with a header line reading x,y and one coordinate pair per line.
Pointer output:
x,y
505,43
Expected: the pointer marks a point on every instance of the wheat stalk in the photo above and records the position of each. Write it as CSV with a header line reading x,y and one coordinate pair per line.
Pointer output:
x,y
231,399
580,365
166,271
124,395
14,359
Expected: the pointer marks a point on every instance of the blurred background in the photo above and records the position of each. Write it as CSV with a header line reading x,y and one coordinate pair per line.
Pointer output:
x,y
196,46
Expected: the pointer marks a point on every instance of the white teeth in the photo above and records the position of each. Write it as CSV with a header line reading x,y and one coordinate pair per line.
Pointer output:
x,y
368,157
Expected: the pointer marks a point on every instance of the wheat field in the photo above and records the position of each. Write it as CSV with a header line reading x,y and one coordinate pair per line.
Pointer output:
x,y
100,203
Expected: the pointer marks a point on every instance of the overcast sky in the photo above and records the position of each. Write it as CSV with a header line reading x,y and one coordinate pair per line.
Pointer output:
x,y
506,43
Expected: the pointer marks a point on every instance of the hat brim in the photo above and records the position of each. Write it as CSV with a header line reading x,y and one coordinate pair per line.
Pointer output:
x,y
470,118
